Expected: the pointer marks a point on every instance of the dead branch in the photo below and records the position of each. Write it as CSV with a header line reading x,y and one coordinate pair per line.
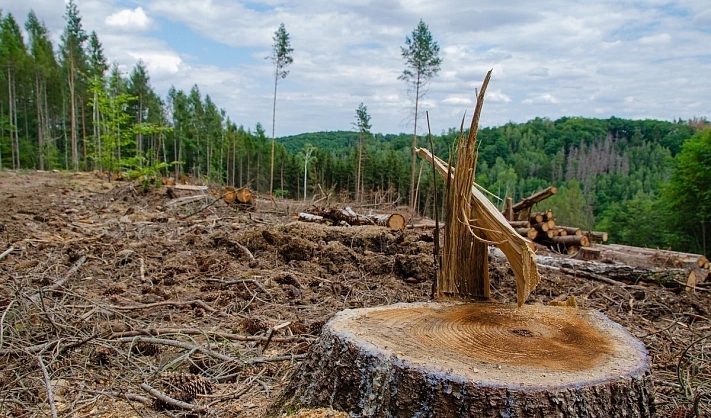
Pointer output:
x,y
7,252
197,331
170,401
48,387
196,302
179,344
60,283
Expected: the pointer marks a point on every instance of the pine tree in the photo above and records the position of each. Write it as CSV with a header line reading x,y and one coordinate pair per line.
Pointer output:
x,y
45,69
14,60
362,124
281,58
74,64
421,54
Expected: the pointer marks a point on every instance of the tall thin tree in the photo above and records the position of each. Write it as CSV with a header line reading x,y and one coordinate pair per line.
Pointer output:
x,y
74,62
422,61
281,58
362,124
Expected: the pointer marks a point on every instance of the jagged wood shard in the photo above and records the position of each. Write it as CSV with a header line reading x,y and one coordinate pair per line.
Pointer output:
x,y
516,248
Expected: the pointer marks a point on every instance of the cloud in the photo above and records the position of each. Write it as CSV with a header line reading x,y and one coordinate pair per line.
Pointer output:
x,y
128,19
497,96
542,98
555,58
458,101
538,72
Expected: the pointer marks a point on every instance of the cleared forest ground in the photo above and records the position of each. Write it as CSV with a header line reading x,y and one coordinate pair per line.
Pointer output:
x,y
110,288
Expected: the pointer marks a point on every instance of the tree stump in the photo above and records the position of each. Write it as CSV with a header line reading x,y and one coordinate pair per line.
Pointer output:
x,y
473,360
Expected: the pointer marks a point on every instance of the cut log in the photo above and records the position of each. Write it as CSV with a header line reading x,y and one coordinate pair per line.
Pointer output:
x,y
589,253
243,195
520,224
551,223
543,216
348,216
536,218
308,217
596,236
638,256
395,221
535,198
190,187
561,232
570,230
473,360
541,227
529,233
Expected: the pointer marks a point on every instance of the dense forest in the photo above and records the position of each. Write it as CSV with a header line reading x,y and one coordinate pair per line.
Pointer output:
x,y
65,107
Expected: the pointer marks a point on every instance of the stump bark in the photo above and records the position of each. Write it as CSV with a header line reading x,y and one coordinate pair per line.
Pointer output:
x,y
473,360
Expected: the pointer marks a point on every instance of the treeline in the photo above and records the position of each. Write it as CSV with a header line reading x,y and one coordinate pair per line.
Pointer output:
x,y
644,181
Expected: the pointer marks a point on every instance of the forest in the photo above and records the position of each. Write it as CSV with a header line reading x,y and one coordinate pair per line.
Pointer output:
x,y
66,107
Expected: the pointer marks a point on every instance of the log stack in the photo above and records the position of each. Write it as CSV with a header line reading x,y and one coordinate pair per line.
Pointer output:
x,y
541,227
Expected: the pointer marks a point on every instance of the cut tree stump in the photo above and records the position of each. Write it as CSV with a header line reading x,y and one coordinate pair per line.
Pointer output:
x,y
473,360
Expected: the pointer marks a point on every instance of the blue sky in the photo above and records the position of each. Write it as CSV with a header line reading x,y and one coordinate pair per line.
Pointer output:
x,y
554,58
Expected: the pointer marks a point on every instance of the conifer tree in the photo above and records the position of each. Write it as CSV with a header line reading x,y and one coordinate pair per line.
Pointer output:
x,y
281,58
74,65
421,54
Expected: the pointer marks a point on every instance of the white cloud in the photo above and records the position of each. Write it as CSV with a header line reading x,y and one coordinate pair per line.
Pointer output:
x,y
497,96
458,101
128,19
555,58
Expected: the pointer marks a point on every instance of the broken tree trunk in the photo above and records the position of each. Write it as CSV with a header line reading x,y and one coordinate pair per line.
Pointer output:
x,y
473,360
517,249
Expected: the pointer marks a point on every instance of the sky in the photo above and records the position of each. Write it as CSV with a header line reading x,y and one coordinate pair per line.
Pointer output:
x,y
552,58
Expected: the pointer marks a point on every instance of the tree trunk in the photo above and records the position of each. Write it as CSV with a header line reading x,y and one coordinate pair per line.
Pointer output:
x,y
72,116
271,171
535,198
473,360
414,145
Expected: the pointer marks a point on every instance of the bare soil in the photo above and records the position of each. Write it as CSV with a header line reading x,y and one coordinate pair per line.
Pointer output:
x,y
112,290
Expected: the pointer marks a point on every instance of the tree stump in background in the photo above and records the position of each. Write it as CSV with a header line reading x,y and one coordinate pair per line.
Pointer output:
x,y
473,360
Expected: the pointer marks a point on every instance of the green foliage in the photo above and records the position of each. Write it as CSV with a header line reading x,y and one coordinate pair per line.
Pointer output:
x,y
281,52
688,195
421,54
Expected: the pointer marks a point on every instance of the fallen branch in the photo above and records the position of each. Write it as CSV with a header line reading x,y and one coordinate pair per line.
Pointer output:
x,y
170,401
57,285
196,302
197,331
7,252
48,386
179,344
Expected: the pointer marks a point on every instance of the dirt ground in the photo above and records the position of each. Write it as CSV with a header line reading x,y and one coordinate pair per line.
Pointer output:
x,y
112,294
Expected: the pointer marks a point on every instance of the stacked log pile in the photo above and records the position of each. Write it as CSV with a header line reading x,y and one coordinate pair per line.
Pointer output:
x,y
541,227
640,264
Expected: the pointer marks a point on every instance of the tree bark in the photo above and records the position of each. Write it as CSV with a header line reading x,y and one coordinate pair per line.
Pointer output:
x,y
473,360
535,198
